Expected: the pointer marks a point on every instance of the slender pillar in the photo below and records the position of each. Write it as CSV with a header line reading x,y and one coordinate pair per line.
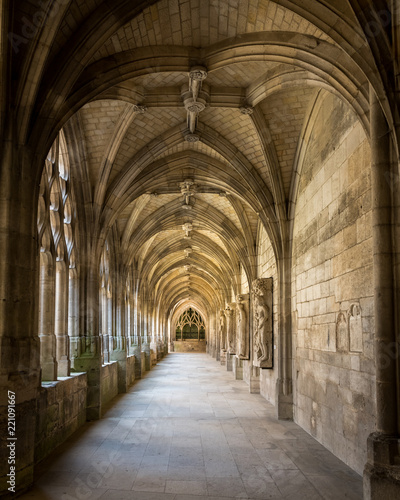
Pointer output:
x,y
119,353
104,325
153,331
215,321
47,337
146,336
61,320
90,359
222,336
381,478
284,386
73,317
137,338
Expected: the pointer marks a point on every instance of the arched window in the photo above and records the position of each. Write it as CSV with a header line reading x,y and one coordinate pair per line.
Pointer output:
x,y
190,325
58,277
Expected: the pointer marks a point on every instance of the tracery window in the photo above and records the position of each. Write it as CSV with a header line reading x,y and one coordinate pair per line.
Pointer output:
x,y
190,325
58,290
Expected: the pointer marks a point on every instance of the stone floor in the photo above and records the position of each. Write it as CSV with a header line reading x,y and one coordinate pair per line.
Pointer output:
x,y
189,431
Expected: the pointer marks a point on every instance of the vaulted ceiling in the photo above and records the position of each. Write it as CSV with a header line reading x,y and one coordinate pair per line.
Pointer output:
x,y
118,79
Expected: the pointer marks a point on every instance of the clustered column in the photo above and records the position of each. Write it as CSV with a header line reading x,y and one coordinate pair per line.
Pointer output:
x,y
381,470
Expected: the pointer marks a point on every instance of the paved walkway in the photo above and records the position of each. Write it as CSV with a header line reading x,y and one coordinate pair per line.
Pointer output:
x,y
189,431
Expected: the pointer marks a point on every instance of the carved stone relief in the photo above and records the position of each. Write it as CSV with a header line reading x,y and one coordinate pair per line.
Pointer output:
x,y
349,330
242,327
355,328
342,335
262,323
222,330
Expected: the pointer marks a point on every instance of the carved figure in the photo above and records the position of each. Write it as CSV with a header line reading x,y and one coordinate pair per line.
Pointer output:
x,y
222,330
355,328
263,345
243,341
230,331
342,333
263,339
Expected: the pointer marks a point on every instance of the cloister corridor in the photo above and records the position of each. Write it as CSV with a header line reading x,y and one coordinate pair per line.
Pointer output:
x,y
188,431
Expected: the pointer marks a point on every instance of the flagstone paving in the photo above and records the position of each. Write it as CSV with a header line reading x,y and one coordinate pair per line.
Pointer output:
x,y
189,431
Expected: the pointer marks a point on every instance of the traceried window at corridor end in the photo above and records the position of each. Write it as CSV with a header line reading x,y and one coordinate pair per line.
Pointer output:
x,y
190,326
58,280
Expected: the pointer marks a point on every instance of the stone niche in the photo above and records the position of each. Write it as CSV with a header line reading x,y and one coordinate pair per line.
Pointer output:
x,y
349,330
242,326
230,328
342,333
262,323
222,330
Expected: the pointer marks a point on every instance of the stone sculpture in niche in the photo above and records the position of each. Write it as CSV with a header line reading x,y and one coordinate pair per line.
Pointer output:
x,y
355,328
230,331
222,330
242,350
342,333
263,335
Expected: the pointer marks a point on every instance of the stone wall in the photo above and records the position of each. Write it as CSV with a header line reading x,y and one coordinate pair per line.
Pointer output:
x,y
332,287
61,410
189,346
109,382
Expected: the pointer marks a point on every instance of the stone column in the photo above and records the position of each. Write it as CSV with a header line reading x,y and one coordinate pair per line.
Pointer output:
x,y
222,336
230,335
381,477
119,352
217,336
284,383
73,317
136,347
19,342
61,319
171,335
110,324
48,356
254,380
146,335
141,329
90,360
153,330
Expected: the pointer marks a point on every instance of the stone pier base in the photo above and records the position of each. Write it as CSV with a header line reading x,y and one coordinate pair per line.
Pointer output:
x,y
238,368
255,380
230,360
222,357
382,470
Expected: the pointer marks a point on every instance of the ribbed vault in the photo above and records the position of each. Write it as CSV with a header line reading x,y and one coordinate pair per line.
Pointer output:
x,y
236,157
267,67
